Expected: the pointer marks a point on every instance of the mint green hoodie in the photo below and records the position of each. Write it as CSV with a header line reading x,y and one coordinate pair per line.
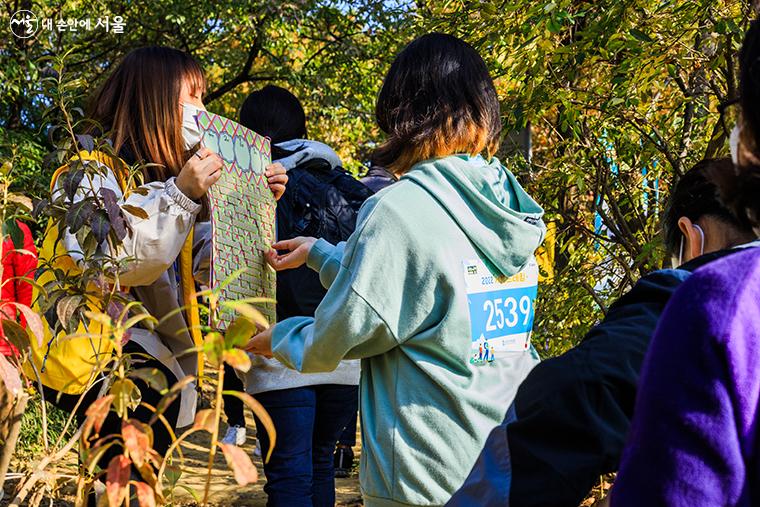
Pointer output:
x,y
397,300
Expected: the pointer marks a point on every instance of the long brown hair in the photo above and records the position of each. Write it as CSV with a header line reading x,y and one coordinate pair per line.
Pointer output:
x,y
138,104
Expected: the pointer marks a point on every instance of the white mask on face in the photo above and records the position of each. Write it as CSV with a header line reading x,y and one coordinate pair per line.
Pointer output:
x,y
733,143
191,134
701,248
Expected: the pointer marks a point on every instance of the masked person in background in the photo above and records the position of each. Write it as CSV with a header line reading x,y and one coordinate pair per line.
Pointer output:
x,y
147,106
695,435
572,413
456,227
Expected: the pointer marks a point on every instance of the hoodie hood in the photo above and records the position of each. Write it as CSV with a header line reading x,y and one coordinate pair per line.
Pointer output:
x,y
498,217
299,151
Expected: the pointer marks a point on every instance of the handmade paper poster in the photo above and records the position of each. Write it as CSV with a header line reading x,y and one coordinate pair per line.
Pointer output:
x,y
242,213
501,310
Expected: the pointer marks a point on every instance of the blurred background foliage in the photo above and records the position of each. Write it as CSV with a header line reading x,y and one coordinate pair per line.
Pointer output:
x,y
620,97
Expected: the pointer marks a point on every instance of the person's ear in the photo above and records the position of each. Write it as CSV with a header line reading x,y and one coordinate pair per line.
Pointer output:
x,y
692,245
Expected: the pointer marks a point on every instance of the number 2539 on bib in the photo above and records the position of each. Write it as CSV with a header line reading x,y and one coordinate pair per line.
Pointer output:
x,y
501,309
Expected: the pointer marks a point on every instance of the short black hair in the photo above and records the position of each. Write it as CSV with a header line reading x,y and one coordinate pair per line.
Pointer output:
x,y
438,98
274,112
697,195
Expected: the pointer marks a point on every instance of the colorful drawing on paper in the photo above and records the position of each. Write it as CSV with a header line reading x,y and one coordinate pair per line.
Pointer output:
x,y
242,212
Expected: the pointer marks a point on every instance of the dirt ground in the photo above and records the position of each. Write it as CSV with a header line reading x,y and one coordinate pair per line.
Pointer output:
x,y
224,489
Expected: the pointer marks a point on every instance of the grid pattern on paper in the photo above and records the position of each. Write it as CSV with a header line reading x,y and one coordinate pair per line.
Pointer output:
x,y
242,212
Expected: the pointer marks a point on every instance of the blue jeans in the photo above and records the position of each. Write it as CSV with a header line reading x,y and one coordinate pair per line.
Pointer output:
x,y
309,421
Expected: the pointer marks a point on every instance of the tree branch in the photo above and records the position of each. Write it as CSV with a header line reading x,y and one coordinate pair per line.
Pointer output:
x,y
244,76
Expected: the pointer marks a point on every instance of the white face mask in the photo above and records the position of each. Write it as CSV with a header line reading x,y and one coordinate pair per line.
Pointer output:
x,y
733,143
191,134
701,248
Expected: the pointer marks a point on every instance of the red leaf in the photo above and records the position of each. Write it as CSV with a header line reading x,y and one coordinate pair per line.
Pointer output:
x,y
117,479
96,414
145,495
137,440
10,377
240,464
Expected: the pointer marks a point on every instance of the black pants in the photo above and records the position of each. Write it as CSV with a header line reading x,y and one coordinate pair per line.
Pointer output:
x,y
348,437
112,424
233,406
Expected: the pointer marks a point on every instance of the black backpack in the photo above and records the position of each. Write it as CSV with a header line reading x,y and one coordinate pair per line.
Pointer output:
x,y
322,202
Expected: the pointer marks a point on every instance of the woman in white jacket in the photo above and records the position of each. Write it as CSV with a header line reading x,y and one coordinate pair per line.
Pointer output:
x,y
147,106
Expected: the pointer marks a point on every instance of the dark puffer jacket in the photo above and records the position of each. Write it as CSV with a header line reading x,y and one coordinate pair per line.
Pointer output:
x,y
321,200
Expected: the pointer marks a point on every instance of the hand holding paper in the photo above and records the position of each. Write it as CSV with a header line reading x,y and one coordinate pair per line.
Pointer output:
x,y
298,251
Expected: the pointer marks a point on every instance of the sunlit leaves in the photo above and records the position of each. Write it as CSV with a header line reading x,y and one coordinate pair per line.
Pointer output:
x,y
117,479
138,440
96,414
204,420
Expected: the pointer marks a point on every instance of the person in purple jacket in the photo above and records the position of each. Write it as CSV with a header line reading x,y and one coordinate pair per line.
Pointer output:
x,y
695,436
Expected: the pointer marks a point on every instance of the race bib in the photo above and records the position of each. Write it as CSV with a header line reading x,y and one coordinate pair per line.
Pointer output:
x,y
501,309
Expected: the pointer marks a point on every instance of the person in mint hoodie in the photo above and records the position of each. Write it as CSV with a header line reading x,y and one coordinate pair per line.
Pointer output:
x,y
407,291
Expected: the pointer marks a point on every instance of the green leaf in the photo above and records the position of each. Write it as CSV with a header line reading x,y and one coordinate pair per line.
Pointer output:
x,y
126,396
15,334
11,228
79,214
153,377
239,332
174,391
639,35
71,182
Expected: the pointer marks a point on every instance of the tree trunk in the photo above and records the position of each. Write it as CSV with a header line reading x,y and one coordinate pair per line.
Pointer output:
x,y
11,410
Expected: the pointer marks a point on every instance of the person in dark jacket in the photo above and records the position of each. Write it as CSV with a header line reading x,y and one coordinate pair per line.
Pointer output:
x,y
569,421
377,178
309,411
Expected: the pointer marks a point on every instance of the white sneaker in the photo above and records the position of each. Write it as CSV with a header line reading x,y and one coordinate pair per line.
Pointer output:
x,y
235,435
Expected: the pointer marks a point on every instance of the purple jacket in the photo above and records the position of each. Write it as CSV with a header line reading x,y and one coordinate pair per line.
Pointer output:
x,y
694,437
